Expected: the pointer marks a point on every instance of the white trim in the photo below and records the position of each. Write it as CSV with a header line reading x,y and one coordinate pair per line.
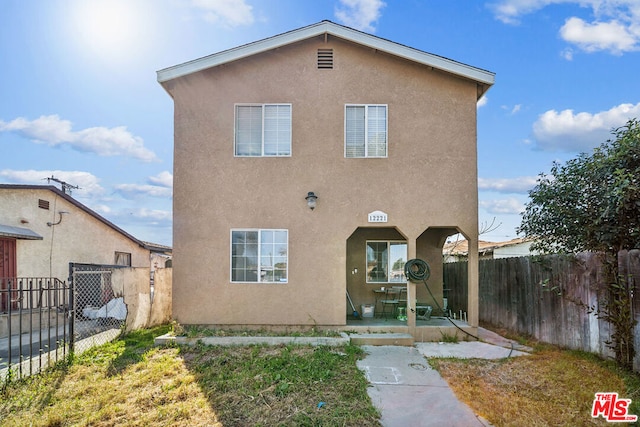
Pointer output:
x,y
327,27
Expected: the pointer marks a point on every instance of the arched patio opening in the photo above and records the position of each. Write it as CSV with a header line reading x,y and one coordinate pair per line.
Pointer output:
x,y
375,258
429,248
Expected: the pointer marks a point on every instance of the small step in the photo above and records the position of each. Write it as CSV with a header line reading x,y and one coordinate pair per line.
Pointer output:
x,y
382,339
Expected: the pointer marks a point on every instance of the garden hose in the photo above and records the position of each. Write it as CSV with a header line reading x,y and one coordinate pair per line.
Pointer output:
x,y
417,270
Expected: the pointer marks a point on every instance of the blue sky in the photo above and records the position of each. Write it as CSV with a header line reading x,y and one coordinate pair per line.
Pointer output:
x,y
79,98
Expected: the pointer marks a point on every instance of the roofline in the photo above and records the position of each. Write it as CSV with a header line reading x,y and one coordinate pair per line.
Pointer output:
x,y
483,77
79,205
158,248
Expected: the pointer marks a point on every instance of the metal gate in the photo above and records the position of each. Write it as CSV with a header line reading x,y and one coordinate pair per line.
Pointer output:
x,y
34,326
99,314
45,319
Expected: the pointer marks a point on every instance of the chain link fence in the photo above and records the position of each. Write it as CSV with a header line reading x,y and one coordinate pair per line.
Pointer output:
x,y
99,312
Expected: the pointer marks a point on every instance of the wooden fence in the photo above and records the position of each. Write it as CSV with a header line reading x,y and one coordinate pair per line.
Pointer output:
x,y
547,297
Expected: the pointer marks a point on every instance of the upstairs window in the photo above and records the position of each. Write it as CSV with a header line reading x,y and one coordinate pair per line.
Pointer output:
x,y
263,130
365,131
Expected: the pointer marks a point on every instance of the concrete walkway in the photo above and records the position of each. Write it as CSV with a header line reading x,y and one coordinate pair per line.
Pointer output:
x,y
408,392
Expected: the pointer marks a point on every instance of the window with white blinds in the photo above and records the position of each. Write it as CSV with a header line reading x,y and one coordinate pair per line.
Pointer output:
x,y
263,130
365,131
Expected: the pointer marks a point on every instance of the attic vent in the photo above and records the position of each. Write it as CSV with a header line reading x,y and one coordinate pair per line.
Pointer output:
x,y
325,59
43,204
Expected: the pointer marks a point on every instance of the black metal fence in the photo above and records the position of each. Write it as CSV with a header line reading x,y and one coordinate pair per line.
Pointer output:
x,y
34,325
43,319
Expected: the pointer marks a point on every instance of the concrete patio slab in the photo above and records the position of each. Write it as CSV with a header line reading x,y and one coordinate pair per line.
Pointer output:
x,y
467,350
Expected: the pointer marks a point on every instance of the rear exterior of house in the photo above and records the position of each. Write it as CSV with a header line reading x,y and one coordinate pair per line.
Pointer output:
x,y
379,132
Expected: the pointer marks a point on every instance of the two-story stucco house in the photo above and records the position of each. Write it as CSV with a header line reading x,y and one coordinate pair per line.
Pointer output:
x,y
379,132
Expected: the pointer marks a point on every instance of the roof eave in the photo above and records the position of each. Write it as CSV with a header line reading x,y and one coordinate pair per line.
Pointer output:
x,y
484,78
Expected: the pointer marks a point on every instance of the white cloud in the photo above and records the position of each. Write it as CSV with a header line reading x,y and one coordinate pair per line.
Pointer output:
x,y
614,26
510,11
502,206
507,185
580,132
145,221
567,54
135,190
164,179
53,131
160,185
482,101
512,110
612,36
87,182
233,13
153,214
359,14
124,214
102,209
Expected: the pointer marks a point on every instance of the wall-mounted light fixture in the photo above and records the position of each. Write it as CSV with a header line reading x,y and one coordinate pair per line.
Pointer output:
x,y
50,224
311,200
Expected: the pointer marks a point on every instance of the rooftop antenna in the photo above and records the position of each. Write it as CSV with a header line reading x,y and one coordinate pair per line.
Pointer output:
x,y
66,187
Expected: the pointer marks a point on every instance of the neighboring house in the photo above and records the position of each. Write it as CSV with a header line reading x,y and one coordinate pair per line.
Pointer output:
x,y
43,229
383,134
459,250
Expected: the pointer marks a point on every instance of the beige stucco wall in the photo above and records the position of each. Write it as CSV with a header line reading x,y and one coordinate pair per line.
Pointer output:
x,y
133,285
428,180
78,238
161,303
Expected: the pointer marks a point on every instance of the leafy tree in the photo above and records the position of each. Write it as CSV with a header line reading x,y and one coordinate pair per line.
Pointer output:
x,y
399,264
592,203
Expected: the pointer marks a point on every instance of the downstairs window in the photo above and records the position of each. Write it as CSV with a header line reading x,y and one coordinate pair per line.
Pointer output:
x,y
259,256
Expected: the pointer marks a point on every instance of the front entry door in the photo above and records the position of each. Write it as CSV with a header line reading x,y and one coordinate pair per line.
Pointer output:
x,y
7,271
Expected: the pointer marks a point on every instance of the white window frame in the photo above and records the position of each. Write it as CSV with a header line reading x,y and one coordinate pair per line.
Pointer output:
x,y
390,262
260,271
366,131
262,146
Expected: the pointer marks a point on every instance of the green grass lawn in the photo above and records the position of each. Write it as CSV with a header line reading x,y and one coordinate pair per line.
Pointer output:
x,y
131,382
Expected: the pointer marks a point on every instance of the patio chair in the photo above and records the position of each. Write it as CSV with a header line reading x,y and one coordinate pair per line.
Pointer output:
x,y
392,298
